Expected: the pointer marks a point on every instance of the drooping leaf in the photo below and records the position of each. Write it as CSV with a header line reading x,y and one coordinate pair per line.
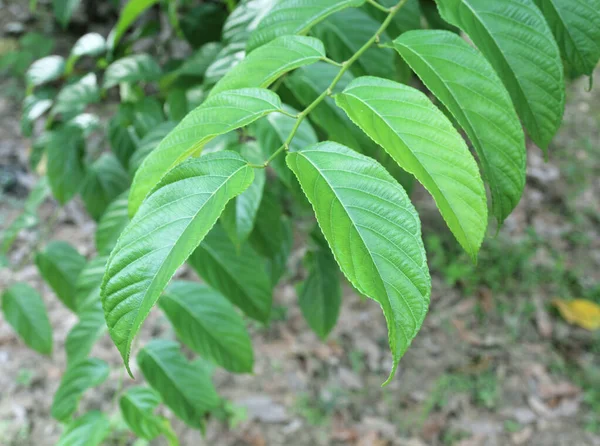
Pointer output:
x,y
517,41
73,98
45,70
345,32
105,180
239,274
462,79
137,406
88,430
170,224
209,324
185,387
130,13
64,9
244,19
373,231
24,310
76,380
320,295
424,143
576,27
240,213
111,224
136,68
218,115
289,17
66,171
34,106
270,62
227,59
84,334
87,285
60,264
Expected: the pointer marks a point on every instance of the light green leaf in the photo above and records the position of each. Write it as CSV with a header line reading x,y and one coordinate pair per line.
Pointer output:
x,y
186,388
516,39
576,27
424,143
106,179
463,80
111,224
273,131
346,32
218,115
270,62
34,107
87,285
66,172
373,231
137,406
77,379
170,224
132,10
24,310
227,59
73,98
136,68
64,9
88,430
45,70
239,274
244,19
59,265
84,334
209,324
290,17
90,44
320,295
239,215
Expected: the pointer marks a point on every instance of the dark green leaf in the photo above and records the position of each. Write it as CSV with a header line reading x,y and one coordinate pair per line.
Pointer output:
x,y
203,23
66,171
64,9
111,224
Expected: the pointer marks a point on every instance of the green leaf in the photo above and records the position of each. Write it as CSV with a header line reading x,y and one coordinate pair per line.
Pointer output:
x,y
209,324
244,19
265,65
90,44
59,265
186,388
346,32
203,23
66,172
76,380
137,406
121,133
136,68
290,17
111,224
170,224
73,98
320,295
239,215
463,80
227,59
88,430
576,27
84,334
148,143
24,310
34,107
132,10
272,132
64,9
148,114
424,143
197,64
177,104
373,231
218,115
516,39
238,273
106,179
45,70
87,285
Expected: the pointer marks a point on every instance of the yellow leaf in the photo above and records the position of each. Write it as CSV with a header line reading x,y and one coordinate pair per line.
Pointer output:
x,y
581,312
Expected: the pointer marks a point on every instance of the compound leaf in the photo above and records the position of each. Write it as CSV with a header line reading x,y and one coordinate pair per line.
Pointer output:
x,y
24,310
170,224
374,233
220,114
424,143
516,39
209,324
463,80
